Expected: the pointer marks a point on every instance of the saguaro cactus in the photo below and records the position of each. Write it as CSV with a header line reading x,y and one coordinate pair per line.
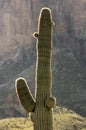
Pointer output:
x,y
41,106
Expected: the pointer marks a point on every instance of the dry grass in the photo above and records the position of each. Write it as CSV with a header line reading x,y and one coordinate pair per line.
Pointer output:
x,y
16,124
62,118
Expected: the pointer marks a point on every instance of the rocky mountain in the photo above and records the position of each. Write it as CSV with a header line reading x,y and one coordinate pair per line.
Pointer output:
x,y
18,21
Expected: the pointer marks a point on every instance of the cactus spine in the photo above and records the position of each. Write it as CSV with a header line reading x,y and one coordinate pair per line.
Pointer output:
x,y
41,106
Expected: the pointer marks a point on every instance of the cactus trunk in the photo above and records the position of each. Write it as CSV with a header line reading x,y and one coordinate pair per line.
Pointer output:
x,y
43,115
43,103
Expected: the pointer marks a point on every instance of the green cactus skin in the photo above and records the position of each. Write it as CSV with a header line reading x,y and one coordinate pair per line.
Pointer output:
x,y
43,103
24,94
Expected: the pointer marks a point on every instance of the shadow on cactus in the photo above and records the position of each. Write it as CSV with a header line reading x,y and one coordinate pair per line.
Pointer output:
x,y
41,106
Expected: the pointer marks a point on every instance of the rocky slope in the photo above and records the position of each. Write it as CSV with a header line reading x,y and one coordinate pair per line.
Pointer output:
x,y
63,119
18,20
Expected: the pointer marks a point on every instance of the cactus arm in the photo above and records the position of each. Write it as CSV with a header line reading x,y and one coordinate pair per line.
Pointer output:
x,y
24,95
50,102
35,34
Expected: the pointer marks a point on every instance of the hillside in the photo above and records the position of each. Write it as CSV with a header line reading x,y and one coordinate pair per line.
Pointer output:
x,y
63,120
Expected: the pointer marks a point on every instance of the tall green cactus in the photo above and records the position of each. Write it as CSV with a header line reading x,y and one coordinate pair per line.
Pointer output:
x,y
41,106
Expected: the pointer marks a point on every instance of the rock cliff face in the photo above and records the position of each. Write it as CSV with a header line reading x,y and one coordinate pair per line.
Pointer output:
x,y
18,21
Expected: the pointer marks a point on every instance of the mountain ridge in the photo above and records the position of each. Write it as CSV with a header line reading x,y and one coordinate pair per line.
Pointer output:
x,y
68,52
